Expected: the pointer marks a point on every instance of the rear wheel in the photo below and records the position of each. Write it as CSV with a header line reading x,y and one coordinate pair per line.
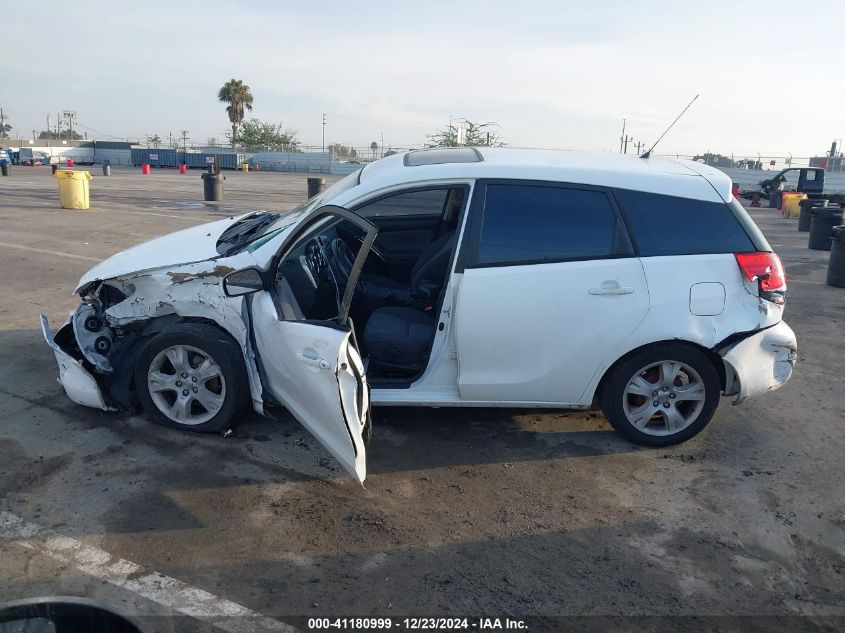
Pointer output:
x,y
192,377
662,395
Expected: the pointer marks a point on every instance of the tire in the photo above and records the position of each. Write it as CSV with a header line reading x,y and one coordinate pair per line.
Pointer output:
x,y
192,377
684,405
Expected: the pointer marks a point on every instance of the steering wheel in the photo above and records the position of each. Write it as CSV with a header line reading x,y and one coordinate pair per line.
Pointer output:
x,y
343,260
373,251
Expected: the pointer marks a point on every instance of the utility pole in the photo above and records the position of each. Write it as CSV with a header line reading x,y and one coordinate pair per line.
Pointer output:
x,y
69,115
184,140
382,145
58,125
324,133
2,124
625,147
622,136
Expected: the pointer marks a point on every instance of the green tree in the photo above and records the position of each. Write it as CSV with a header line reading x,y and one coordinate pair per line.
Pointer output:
x,y
4,130
374,149
239,97
154,140
256,135
52,135
466,134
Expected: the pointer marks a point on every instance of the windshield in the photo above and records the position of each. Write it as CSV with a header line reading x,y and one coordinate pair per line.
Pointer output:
x,y
270,230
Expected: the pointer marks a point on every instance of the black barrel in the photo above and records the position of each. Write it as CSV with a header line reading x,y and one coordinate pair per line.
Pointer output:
x,y
5,169
836,266
774,198
822,226
805,218
212,186
315,186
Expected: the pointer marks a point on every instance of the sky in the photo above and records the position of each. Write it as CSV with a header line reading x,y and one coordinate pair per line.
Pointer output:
x,y
556,74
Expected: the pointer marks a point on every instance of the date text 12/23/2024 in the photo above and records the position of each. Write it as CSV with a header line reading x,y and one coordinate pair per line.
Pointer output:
x,y
418,624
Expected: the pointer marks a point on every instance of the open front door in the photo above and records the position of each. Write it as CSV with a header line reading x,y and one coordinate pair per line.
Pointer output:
x,y
304,339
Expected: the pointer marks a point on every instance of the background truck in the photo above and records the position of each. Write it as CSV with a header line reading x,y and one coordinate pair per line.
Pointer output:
x,y
809,180
28,156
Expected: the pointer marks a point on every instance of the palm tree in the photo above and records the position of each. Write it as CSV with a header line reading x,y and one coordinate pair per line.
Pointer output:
x,y
373,148
237,94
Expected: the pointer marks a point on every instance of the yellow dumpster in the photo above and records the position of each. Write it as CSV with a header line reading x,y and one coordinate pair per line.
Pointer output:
x,y
245,167
73,188
791,203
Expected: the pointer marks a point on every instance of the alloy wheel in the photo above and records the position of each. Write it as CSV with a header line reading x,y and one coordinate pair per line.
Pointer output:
x,y
186,384
664,398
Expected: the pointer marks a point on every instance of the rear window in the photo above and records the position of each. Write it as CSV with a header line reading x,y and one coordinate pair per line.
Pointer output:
x,y
668,225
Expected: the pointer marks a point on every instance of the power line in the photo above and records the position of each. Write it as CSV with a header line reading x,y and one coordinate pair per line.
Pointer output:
x,y
78,124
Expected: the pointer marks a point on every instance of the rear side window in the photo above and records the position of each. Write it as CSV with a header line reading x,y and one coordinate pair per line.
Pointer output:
x,y
668,225
530,224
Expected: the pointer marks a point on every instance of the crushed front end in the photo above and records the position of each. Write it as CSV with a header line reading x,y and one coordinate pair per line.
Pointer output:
x,y
84,347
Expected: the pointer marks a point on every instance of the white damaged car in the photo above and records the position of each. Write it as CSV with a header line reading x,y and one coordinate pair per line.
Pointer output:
x,y
463,277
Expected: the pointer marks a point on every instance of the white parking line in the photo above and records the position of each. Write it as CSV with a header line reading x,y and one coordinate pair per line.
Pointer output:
x,y
48,252
164,590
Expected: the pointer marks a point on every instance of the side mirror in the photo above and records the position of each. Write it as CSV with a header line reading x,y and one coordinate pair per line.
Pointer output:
x,y
243,282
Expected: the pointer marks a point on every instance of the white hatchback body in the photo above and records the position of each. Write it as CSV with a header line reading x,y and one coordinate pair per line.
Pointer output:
x,y
541,332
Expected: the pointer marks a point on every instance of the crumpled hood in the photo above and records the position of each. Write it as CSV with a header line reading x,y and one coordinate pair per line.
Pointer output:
x,y
195,244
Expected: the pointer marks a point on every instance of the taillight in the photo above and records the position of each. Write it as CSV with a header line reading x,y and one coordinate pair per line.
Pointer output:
x,y
767,270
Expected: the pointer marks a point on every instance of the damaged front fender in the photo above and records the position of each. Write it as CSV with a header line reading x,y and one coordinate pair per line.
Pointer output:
x,y
98,346
191,291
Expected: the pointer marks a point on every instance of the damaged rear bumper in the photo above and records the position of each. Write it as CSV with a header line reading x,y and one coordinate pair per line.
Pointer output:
x,y
80,385
760,363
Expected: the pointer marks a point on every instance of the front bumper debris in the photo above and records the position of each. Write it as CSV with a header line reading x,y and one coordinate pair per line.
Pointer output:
x,y
761,363
80,385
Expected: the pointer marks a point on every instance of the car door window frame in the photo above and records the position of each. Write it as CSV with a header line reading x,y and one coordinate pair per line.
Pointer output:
x,y
398,192
341,321
469,247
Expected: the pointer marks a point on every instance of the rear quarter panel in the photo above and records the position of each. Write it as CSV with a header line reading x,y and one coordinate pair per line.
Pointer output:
x,y
670,279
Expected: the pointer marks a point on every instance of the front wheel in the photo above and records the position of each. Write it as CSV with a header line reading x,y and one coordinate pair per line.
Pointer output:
x,y
192,377
662,395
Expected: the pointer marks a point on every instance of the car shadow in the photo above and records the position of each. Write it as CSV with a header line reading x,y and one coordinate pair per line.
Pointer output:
x,y
405,438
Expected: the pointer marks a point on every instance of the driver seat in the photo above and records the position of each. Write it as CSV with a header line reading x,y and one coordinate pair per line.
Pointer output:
x,y
427,277
398,339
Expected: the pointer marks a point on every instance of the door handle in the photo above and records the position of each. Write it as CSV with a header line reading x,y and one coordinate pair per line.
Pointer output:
x,y
319,363
611,288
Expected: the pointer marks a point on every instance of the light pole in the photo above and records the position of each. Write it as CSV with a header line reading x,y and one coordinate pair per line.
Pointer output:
x,y
622,136
324,133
